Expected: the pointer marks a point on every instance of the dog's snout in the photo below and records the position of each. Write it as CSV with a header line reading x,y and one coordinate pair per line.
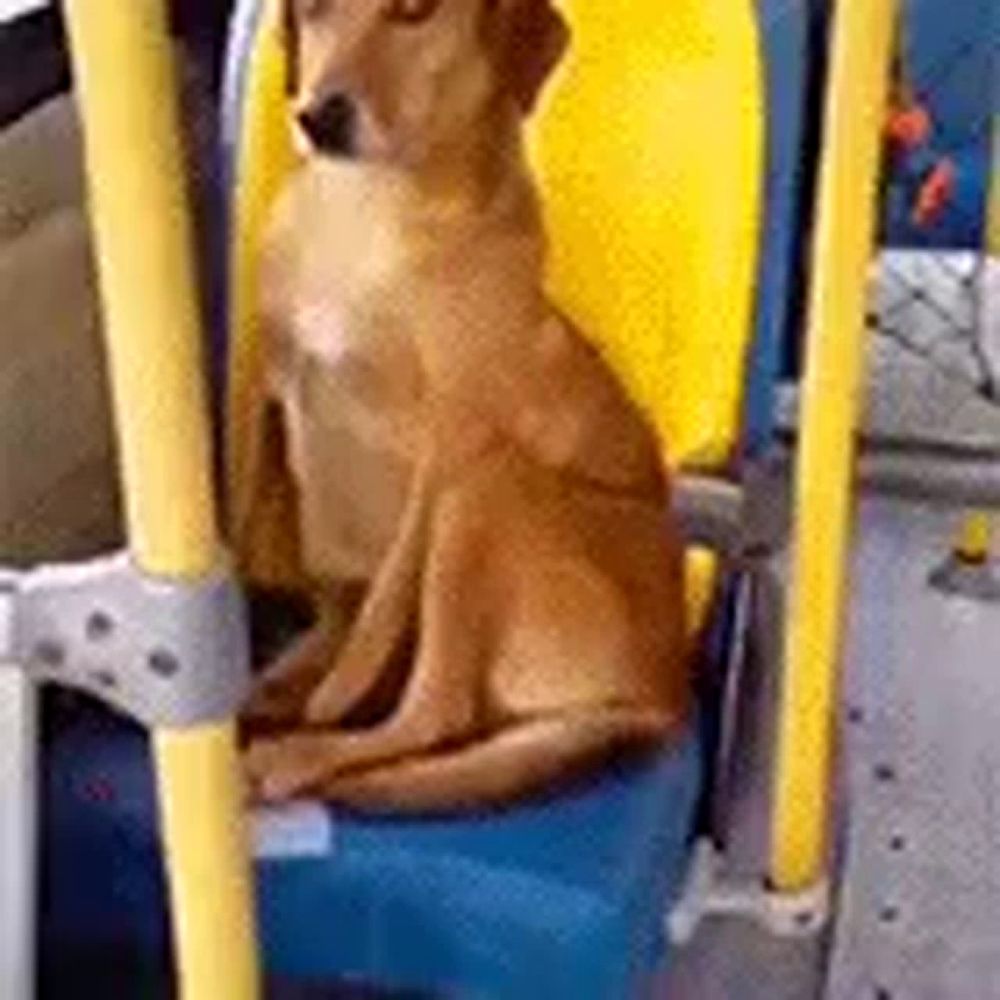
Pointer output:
x,y
331,125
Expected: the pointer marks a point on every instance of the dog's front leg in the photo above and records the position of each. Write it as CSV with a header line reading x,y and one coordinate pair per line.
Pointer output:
x,y
441,703
281,692
300,764
278,697
384,619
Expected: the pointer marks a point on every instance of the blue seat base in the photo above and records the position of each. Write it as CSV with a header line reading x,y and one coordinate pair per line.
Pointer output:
x,y
563,897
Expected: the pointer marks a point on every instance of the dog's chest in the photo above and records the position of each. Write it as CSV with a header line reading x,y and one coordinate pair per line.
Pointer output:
x,y
349,380
349,284
348,313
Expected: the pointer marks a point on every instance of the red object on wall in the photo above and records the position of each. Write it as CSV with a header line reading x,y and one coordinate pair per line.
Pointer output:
x,y
935,193
909,126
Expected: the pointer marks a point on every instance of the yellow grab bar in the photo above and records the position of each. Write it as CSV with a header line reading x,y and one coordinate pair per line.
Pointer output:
x,y
842,250
126,90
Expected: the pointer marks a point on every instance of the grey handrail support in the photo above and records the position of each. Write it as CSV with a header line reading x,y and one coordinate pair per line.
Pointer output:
x,y
166,653
163,652
740,518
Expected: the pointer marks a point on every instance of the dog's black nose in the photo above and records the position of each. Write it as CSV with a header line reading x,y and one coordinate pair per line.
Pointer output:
x,y
331,124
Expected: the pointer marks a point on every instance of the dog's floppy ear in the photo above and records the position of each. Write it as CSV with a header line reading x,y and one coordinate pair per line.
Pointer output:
x,y
530,38
290,43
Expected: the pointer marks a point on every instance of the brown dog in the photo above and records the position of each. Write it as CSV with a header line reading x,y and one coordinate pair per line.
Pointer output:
x,y
454,441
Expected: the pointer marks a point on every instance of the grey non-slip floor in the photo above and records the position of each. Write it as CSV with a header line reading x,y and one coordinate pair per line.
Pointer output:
x,y
920,916
919,913
733,960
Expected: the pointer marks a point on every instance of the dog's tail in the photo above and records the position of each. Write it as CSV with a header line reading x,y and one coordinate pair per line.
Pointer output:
x,y
393,597
520,760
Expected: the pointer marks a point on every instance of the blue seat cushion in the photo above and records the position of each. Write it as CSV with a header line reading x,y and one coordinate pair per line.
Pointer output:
x,y
557,897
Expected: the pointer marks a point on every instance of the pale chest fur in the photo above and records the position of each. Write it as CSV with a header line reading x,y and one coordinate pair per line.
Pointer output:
x,y
344,262
342,363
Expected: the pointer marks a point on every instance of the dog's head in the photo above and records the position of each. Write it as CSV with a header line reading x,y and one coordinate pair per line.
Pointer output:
x,y
398,79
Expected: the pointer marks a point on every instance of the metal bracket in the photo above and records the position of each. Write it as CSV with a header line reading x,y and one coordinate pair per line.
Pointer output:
x,y
742,518
708,893
165,652
958,577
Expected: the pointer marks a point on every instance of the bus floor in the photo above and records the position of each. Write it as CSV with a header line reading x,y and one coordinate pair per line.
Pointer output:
x,y
919,768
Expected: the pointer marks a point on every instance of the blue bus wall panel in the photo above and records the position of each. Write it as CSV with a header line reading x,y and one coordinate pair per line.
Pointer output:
x,y
952,56
785,33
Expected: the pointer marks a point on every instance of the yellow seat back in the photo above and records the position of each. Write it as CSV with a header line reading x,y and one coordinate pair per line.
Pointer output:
x,y
648,148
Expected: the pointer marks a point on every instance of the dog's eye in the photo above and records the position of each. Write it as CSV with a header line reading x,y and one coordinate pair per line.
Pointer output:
x,y
410,11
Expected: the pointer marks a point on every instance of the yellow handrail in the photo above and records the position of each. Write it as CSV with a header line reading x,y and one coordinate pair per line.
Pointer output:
x,y
857,91
126,90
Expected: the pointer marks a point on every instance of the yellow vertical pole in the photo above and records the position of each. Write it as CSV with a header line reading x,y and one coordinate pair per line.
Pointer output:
x,y
125,86
842,250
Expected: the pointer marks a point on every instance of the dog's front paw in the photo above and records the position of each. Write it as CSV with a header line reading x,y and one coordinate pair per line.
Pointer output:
x,y
274,771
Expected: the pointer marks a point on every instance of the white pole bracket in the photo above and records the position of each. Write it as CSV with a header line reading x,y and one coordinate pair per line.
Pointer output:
x,y
165,652
708,892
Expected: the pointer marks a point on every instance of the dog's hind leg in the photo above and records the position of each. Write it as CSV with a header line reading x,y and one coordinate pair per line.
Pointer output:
x,y
522,759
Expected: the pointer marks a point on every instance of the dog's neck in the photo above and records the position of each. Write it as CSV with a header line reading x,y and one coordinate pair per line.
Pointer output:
x,y
476,170
478,176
